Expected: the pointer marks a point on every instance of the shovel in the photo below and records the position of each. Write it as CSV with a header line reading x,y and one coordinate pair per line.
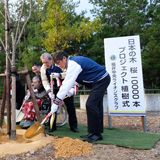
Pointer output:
x,y
53,116
19,116
37,128
26,98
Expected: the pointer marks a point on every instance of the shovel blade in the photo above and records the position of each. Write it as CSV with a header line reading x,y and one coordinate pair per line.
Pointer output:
x,y
34,130
19,115
52,120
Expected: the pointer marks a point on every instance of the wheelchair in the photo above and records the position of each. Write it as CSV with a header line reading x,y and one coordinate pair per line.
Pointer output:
x,y
62,114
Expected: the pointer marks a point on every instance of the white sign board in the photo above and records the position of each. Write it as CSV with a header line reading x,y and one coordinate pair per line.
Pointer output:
x,y
123,62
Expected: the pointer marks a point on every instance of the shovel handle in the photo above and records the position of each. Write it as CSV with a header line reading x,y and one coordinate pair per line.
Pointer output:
x,y
48,115
19,111
52,83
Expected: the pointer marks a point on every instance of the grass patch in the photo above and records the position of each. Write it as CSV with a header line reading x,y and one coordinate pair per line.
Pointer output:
x,y
119,137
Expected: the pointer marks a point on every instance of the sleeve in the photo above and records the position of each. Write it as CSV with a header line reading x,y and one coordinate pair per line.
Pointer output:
x,y
45,81
73,70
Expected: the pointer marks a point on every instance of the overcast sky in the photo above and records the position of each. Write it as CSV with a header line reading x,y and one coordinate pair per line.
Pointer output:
x,y
84,5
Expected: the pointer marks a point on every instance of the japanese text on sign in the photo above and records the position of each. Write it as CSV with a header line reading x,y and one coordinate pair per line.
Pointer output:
x,y
123,62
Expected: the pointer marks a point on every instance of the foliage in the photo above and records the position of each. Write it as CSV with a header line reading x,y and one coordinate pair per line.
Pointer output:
x,y
30,47
2,36
54,25
60,31
151,50
2,51
119,18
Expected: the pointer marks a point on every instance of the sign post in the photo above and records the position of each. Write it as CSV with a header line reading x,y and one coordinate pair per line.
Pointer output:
x,y
126,91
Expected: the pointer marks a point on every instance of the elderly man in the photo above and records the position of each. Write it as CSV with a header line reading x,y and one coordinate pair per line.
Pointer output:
x,y
47,68
87,72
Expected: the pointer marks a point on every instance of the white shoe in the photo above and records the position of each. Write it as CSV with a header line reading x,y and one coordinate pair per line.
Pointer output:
x,y
28,123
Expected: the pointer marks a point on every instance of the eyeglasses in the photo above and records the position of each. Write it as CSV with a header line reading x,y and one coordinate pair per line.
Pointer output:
x,y
58,62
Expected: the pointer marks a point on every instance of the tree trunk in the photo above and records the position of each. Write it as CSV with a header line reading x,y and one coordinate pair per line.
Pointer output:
x,y
3,104
13,118
7,72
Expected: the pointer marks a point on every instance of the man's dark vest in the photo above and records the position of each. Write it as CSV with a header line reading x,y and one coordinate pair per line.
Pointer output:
x,y
51,70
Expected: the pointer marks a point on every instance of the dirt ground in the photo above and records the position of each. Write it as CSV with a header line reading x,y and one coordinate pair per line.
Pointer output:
x,y
104,152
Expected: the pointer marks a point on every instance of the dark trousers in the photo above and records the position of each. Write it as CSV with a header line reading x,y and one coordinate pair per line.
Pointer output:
x,y
69,102
94,106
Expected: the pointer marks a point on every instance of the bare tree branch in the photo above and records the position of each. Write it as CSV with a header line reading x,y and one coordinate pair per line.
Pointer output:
x,y
13,48
8,16
9,59
12,33
5,50
3,44
25,22
19,21
2,14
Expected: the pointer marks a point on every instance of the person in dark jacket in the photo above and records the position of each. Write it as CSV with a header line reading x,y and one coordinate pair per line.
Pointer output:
x,y
20,92
87,72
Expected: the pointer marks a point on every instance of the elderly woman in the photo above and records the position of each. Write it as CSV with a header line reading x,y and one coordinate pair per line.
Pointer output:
x,y
29,112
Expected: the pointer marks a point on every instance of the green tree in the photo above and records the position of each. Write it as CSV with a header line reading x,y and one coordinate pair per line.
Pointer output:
x,y
2,36
119,18
60,29
131,17
2,50
151,50
30,47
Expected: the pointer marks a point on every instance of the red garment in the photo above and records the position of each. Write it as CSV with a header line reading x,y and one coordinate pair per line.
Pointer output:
x,y
29,112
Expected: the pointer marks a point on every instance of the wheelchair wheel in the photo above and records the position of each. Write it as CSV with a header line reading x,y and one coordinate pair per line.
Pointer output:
x,y
62,115
44,110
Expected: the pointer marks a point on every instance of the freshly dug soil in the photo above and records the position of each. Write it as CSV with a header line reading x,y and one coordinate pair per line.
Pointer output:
x,y
100,151
19,138
22,145
67,147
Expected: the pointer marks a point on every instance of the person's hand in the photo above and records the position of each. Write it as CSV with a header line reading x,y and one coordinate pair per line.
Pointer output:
x,y
51,96
54,108
63,75
71,92
55,75
35,90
